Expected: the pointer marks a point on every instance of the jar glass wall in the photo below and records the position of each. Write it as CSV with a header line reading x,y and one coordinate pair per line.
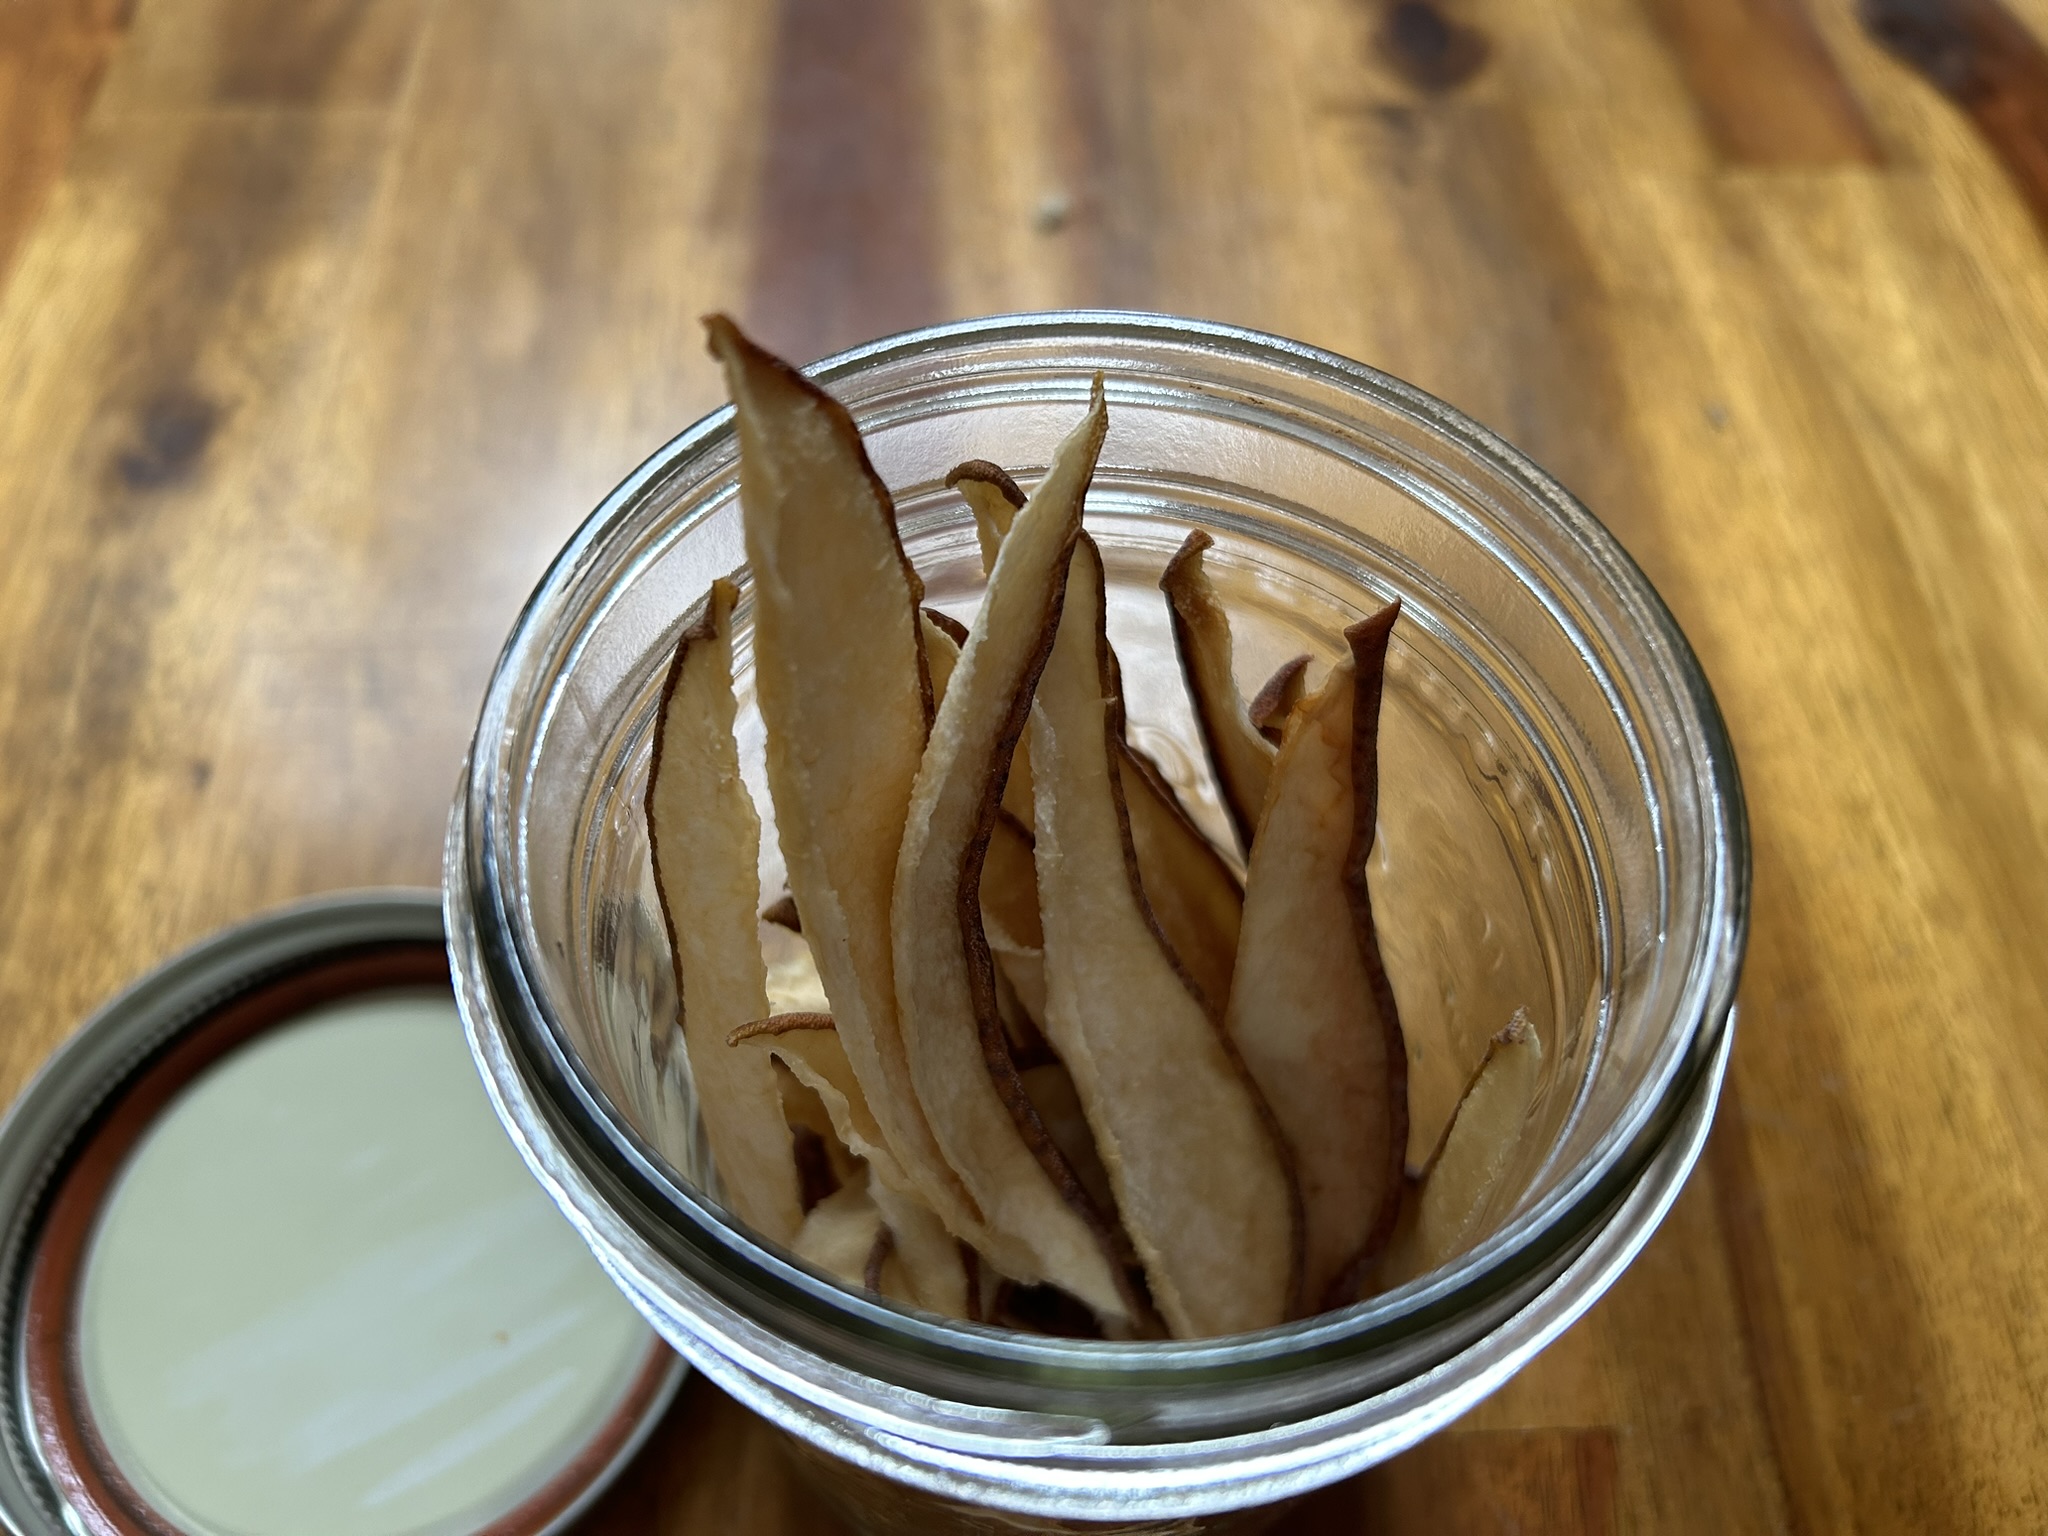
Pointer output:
x,y
1561,830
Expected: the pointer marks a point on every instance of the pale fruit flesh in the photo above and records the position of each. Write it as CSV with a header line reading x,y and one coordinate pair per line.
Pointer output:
x,y
843,691
1310,1008
705,835
1039,1223
1240,755
1200,1179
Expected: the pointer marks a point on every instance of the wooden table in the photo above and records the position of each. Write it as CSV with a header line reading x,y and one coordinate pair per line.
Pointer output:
x,y
325,321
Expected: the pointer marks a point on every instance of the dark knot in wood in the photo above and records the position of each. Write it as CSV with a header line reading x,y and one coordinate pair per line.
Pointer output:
x,y
1429,50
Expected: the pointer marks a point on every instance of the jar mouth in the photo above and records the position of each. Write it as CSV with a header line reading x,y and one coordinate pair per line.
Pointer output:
x,y
1597,595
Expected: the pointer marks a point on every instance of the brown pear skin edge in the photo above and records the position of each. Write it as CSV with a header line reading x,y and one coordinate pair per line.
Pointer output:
x,y
1195,893
925,1252
1517,1031
783,914
951,628
1273,703
827,564
1009,886
878,1255
1368,640
1199,1169
1471,1159
778,1024
1241,757
994,499
704,839
1310,1010
979,1112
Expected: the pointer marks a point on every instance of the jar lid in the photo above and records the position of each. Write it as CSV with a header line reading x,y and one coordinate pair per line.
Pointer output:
x,y
269,1263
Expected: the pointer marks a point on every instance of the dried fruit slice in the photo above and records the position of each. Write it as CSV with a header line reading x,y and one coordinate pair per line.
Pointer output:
x,y
1200,1177
1058,1104
1039,1222
994,499
942,639
1242,758
1273,703
1009,914
1009,885
842,1235
843,690
1192,891
706,841
1310,1007
1477,1145
793,984
809,1048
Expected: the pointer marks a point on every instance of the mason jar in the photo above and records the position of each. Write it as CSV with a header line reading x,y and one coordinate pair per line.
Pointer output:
x,y
1578,848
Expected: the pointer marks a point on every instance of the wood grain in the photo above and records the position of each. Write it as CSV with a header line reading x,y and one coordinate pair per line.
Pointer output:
x,y
52,53
327,320
1979,55
1766,87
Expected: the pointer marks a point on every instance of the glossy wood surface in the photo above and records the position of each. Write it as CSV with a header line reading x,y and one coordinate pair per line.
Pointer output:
x,y
323,322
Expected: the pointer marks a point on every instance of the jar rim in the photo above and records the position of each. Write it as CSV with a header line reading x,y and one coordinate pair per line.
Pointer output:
x,y
841,1324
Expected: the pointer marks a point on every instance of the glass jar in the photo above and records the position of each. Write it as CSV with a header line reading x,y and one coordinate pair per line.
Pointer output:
x,y
1542,709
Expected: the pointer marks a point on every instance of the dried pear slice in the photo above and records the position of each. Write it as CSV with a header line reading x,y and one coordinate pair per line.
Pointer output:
x,y
1009,913
993,497
847,1236
1058,1104
1478,1144
1200,1177
844,693
1040,1223
1310,1008
706,843
1009,885
793,984
942,639
1242,758
809,1048
1193,892
1275,701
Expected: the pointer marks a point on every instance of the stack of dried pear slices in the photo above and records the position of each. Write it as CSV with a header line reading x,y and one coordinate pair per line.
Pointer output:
x,y
1034,1056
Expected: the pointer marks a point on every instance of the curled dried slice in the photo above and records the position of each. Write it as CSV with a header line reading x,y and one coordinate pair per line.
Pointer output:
x,y
1009,885
1058,1104
706,841
1009,914
1241,756
847,1236
995,500
793,984
844,693
809,1048
1040,1223
1480,1141
1199,1173
942,638
1192,891
993,497
1310,1008
1275,701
